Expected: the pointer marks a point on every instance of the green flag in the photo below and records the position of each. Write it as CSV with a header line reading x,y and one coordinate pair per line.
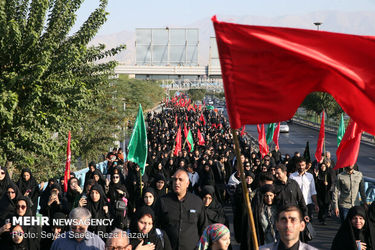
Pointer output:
x,y
209,107
138,142
190,141
270,131
341,130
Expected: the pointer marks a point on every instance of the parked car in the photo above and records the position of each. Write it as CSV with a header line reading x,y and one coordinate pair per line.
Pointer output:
x,y
284,128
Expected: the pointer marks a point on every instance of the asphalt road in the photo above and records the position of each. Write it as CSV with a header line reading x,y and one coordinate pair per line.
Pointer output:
x,y
298,135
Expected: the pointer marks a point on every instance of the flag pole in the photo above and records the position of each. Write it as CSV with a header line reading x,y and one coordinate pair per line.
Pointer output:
x,y
324,139
244,188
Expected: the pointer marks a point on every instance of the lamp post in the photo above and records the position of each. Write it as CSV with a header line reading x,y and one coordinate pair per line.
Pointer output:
x,y
317,24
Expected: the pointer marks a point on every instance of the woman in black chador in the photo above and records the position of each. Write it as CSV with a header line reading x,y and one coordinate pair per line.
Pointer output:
x,y
29,187
4,181
356,228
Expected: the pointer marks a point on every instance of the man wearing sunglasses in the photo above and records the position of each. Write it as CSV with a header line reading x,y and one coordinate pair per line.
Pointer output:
x,y
78,237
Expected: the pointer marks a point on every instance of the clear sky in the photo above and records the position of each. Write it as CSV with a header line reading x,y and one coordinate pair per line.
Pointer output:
x,y
128,15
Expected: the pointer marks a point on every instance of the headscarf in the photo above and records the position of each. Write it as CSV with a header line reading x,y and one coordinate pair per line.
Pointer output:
x,y
211,234
25,185
4,182
347,235
8,206
28,205
96,207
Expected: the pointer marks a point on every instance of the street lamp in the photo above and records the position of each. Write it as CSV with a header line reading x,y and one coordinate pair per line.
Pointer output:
x,y
317,24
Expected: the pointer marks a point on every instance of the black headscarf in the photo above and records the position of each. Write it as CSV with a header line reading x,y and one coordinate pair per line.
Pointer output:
x,y
96,208
8,206
151,191
28,205
113,195
152,236
214,211
163,191
347,235
25,185
4,182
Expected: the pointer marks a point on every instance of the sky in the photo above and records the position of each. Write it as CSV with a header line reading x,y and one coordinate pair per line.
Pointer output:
x,y
129,15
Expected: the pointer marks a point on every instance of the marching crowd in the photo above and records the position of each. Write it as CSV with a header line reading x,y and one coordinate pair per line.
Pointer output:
x,y
178,203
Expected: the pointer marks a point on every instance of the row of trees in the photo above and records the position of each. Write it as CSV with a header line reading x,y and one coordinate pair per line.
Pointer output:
x,y
52,82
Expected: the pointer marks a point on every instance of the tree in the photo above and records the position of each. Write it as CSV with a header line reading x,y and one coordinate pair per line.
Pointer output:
x,y
103,125
49,80
196,94
317,101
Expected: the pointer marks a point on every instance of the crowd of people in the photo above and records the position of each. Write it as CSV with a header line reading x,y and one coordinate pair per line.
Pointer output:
x,y
179,201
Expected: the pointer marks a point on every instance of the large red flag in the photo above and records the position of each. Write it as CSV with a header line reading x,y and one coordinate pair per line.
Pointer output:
x,y
276,135
263,147
260,64
347,153
200,138
178,142
319,146
67,165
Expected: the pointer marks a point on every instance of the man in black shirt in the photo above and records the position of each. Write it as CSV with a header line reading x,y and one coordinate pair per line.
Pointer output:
x,y
288,192
181,214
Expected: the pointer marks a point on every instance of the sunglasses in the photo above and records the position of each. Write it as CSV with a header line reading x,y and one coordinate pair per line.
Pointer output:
x,y
2,172
116,177
21,206
11,192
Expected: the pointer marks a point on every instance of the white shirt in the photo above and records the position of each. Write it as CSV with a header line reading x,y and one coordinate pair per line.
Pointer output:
x,y
194,178
307,185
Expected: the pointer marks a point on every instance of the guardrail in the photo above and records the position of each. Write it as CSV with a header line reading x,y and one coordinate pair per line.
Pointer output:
x,y
369,189
367,138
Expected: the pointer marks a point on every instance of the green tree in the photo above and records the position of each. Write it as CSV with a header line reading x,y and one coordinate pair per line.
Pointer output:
x,y
49,80
105,122
196,94
317,101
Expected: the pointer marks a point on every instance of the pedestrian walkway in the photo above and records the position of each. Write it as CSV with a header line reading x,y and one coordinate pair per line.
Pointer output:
x,y
325,233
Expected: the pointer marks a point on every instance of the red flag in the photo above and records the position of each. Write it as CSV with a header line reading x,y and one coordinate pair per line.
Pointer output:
x,y
319,146
276,135
268,63
185,131
200,107
178,142
175,120
200,138
243,130
347,153
201,118
263,147
67,165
